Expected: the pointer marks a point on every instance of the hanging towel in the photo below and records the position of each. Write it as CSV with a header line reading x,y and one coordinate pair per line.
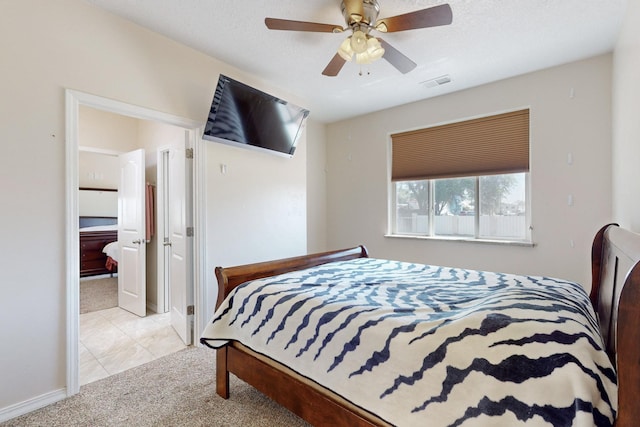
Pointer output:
x,y
150,212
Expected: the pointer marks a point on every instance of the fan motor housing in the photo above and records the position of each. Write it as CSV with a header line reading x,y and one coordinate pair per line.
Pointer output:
x,y
370,8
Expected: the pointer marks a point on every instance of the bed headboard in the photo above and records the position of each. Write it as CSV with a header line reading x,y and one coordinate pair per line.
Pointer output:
x,y
615,294
92,221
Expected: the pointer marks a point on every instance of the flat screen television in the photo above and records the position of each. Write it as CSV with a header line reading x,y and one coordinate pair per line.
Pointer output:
x,y
244,116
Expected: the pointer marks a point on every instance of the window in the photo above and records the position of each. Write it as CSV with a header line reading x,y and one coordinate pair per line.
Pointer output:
x,y
464,180
451,212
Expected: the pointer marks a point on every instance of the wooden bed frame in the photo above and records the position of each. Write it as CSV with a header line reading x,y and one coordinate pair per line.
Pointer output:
x,y
615,294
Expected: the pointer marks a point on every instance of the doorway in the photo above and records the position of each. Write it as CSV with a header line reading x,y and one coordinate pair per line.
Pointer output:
x,y
192,131
119,327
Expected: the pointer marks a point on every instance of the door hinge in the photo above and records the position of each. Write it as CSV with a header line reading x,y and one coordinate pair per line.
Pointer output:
x,y
189,231
188,153
189,310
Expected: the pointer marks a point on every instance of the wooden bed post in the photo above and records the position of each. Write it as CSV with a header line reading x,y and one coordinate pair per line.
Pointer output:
x,y
222,373
620,312
628,352
596,264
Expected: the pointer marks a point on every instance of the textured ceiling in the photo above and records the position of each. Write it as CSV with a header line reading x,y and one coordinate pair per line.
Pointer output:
x,y
488,40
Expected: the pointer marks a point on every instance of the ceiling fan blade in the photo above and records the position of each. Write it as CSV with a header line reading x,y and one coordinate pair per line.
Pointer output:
x,y
354,9
431,17
334,66
397,59
285,24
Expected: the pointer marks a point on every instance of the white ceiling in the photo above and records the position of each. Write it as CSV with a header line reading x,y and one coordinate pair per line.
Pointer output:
x,y
488,40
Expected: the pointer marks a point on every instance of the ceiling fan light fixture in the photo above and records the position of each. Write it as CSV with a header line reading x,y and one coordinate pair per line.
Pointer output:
x,y
345,50
373,53
363,58
374,49
359,42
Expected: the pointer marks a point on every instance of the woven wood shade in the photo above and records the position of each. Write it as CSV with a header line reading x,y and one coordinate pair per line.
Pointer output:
x,y
485,146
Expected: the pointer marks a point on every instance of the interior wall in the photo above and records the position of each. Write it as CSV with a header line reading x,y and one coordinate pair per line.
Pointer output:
x,y
316,187
97,170
626,123
570,113
104,130
70,44
97,203
258,201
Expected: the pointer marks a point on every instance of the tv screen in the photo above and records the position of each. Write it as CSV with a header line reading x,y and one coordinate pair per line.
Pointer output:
x,y
244,116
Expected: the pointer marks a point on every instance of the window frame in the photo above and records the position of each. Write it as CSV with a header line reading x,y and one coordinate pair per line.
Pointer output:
x,y
477,237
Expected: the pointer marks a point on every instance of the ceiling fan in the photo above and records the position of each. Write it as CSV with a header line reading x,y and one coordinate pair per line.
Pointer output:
x,y
361,17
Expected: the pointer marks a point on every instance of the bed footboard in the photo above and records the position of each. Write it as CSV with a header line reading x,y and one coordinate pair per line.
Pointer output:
x,y
268,378
313,404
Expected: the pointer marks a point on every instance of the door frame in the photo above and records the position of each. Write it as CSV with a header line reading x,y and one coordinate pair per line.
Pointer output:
x,y
73,100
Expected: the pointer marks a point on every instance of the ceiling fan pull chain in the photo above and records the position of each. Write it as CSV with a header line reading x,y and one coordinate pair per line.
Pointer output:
x,y
362,73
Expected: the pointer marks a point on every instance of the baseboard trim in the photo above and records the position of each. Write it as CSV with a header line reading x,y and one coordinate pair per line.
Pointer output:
x,y
32,404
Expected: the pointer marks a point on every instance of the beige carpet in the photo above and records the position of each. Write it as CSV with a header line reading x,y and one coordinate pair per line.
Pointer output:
x,y
98,294
176,390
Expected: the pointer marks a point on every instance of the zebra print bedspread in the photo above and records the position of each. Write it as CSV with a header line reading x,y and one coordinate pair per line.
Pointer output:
x,y
425,345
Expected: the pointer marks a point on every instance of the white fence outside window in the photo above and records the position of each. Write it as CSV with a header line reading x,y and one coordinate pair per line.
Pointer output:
x,y
492,226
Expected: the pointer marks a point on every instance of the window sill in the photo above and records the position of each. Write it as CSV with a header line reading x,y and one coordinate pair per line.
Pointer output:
x,y
463,239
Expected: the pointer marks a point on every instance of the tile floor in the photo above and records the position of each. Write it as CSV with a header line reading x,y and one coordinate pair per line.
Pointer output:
x,y
115,340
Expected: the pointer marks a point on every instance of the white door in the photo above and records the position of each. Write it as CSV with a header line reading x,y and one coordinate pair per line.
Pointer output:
x,y
132,292
178,217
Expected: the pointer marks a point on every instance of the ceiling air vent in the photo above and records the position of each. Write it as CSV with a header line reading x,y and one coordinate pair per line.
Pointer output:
x,y
437,81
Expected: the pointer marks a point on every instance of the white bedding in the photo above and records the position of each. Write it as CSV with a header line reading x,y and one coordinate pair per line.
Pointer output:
x,y
112,227
112,250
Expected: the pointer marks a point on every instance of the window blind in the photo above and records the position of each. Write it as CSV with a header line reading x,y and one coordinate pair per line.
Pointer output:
x,y
485,146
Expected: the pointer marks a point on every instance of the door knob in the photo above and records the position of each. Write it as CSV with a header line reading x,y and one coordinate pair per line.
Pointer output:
x,y
137,241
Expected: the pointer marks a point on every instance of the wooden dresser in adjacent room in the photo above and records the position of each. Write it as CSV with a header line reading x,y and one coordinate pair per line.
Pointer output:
x,y
92,259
